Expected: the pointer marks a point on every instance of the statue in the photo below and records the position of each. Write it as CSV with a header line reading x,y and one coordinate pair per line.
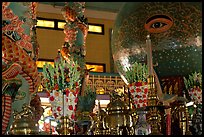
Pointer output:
x,y
19,53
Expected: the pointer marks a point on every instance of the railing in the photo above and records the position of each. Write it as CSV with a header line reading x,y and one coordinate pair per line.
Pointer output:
x,y
103,83
106,82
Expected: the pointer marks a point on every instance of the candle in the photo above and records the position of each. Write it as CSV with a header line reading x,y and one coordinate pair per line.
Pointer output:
x,y
149,55
168,121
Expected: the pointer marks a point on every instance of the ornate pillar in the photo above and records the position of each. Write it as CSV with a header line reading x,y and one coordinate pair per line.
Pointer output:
x,y
75,30
19,53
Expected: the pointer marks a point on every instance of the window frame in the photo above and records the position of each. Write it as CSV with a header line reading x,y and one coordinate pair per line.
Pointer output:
x,y
58,20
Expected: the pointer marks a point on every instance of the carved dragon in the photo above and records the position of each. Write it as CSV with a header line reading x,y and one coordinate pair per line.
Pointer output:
x,y
17,58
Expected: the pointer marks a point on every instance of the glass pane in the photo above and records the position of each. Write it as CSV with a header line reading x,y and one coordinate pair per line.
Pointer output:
x,y
45,23
40,64
94,28
96,68
61,25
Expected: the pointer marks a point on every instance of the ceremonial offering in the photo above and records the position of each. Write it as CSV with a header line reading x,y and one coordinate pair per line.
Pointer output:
x,y
194,86
62,82
137,77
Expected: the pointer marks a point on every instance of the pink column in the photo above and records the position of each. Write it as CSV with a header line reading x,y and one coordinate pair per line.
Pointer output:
x,y
168,121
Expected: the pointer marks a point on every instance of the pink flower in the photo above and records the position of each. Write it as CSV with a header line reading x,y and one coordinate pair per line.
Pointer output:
x,y
28,46
7,11
67,92
52,98
73,116
9,27
9,15
138,84
15,18
48,94
66,39
4,29
70,107
145,100
76,100
145,90
55,115
5,4
19,23
75,108
26,37
20,30
138,90
132,90
20,43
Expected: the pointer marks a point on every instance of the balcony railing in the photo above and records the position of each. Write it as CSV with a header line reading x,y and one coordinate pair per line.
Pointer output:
x,y
103,83
106,82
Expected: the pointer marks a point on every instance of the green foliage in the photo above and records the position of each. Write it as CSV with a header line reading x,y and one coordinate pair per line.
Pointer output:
x,y
63,75
137,72
194,79
86,103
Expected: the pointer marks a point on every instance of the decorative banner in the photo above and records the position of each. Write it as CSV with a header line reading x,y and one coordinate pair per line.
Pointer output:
x,y
139,92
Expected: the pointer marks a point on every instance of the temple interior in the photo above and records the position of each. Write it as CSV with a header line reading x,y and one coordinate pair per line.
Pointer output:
x,y
101,68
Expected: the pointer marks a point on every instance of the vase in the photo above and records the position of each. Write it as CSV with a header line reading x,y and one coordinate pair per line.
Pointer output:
x,y
139,93
141,126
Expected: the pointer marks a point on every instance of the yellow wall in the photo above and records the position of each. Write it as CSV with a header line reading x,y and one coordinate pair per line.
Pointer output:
x,y
97,46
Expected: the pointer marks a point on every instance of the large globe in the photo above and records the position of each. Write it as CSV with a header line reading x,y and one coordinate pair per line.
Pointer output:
x,y
175,30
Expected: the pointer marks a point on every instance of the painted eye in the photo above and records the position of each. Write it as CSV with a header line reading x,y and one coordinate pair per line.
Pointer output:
x,y
158,23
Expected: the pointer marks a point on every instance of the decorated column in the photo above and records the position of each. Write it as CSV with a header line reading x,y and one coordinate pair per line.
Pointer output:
x,y
75,29
19,53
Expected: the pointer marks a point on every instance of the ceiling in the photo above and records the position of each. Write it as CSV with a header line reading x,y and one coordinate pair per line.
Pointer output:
x,y
98,10
99,6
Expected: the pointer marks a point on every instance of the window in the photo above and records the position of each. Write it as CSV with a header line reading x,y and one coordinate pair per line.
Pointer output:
x,y
41,63
45,23
59,25
96,67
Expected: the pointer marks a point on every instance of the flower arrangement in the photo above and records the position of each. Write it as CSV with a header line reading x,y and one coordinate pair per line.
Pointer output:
x,y
138,72
194,86
62,82
137,79
63,75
